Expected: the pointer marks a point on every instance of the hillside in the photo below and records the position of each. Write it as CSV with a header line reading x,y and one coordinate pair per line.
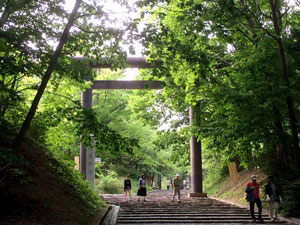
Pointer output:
x,y
235,192
38,189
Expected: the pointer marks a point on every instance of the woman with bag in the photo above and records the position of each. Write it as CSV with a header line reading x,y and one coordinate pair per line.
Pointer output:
x,y
142,188
272,197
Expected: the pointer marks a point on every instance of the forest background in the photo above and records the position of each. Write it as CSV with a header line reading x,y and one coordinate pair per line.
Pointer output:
x,y
235,62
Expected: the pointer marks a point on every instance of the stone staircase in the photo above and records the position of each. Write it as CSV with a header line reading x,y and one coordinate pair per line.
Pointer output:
x,y
161,210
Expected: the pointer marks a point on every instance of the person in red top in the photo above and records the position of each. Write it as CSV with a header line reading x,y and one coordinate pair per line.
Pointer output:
x,y
252,190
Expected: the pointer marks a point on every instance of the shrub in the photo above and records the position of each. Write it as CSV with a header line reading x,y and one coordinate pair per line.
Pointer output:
x,y
110,183
215,178
291,200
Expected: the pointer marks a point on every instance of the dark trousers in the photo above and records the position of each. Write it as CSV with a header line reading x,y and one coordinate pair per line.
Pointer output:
x,y
258,203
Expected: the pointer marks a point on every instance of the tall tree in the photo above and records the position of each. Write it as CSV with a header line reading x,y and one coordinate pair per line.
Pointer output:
x,y
27,52
46,77
276,9
222,53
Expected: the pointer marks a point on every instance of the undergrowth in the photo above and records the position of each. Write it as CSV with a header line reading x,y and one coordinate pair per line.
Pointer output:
x,y
215,179
112,183
291,199
23,170
74,182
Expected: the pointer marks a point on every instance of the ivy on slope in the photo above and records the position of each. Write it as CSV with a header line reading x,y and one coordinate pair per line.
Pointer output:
x,y
38,182
78,187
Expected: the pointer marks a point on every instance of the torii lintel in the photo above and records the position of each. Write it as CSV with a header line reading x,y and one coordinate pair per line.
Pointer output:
x,y
127,84
132,62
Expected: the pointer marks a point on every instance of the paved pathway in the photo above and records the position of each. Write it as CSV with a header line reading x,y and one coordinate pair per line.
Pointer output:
x,y
159,209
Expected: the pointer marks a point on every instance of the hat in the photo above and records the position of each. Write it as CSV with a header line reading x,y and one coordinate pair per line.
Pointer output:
x,y
253,177
177,175
270,177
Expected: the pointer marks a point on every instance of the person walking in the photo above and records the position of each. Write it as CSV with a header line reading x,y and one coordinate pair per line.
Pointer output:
x,y
168,184
272,197
252,197
142,188
176,187
127,188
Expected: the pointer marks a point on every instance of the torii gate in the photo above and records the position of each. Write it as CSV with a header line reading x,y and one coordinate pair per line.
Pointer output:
x,y
87,163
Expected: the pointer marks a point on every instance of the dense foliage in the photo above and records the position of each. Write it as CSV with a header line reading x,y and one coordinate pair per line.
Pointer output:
x,y
40,84
237,63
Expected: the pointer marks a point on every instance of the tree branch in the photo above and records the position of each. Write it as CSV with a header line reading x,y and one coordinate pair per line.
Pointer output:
x,y
25,126
63,96
243,33
248,18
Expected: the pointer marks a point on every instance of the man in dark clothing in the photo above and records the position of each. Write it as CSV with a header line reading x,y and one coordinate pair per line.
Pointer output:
x,y
252,191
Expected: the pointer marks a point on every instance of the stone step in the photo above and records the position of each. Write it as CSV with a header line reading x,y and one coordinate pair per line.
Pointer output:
x,y
140,207
159,210
179,208
146,210
183,208
178,205
180,211
191,221
185,215
199,223
204,217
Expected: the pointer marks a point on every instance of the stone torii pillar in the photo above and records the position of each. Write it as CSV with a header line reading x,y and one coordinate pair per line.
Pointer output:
x,y
196,163
86,103
87,154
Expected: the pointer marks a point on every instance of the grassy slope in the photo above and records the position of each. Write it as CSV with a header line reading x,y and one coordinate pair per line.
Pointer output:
x,y
235,192
42,190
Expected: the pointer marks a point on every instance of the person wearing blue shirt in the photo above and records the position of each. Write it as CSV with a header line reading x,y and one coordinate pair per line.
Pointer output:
x,y
142,188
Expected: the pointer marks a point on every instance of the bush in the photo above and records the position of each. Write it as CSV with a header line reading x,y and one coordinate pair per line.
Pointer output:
x,y
77,186
215,178
110,184
291,200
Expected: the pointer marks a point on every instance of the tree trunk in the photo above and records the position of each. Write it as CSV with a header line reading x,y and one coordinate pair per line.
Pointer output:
x,y
159,181
152,179
284,71
281,147
20,137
